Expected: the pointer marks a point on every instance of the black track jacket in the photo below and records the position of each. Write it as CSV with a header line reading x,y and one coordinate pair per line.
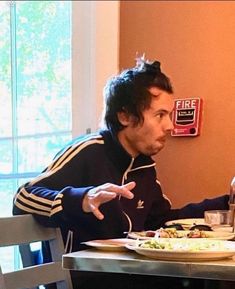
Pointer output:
x,y
55,196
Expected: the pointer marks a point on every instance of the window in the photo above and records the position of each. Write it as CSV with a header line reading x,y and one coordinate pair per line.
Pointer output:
x,y
38,113
35,90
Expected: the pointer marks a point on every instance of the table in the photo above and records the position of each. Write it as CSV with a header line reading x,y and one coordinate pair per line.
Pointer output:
x,y
94,260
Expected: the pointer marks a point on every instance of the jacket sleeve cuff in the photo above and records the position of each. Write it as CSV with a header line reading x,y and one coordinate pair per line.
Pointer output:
x,y
72,200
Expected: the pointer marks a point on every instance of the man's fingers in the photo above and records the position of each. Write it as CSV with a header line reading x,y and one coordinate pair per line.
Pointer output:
x,y
101,198
96,212
123,191
129,185
127,190
103,194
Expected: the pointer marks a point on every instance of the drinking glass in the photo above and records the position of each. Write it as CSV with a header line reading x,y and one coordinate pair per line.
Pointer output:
x,y
232,202
219,220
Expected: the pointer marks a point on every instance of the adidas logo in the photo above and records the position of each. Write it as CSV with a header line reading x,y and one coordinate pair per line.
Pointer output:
x,y
140,204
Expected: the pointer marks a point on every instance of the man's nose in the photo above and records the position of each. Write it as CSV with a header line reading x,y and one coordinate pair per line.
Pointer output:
x,y
169,124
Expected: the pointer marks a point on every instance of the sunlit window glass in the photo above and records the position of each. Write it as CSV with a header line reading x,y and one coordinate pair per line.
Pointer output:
x,y
35,89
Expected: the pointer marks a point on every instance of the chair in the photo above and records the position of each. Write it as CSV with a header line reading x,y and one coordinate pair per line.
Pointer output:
x,y
23,230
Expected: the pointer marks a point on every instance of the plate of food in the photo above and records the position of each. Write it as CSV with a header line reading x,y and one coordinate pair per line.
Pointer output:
x,y
110,244
173,233
186,223
184,249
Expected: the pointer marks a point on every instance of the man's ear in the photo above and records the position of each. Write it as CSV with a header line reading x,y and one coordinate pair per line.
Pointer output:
x,y
124,118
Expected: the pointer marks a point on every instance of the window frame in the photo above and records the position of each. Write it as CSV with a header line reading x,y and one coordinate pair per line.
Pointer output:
x,y
92,62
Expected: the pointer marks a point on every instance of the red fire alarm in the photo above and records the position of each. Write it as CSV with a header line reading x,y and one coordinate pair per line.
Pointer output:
x,y
186,117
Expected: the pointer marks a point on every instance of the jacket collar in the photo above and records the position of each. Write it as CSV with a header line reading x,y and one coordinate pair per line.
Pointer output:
x,y
119,155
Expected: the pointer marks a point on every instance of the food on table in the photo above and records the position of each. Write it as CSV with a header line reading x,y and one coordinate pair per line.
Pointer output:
x,y
197,234
168,233
176,226
172,233
183,244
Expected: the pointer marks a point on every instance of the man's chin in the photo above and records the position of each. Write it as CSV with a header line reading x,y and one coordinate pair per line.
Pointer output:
x,y
156,151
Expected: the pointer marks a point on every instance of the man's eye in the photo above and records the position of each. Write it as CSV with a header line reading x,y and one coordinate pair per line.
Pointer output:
x,y
160,115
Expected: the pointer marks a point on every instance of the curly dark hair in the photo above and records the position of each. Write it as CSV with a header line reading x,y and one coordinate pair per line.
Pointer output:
x,y
129,92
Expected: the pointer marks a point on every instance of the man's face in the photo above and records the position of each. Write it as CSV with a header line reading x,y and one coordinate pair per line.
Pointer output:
x,y
149,137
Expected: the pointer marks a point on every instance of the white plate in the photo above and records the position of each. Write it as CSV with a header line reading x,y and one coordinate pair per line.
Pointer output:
x,y
217,250
187,223
226,228
219,235
110,244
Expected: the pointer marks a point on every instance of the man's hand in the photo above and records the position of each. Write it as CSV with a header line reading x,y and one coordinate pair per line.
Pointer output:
x,y
103,194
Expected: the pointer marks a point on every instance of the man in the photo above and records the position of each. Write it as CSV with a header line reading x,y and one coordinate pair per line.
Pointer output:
x,y
103,185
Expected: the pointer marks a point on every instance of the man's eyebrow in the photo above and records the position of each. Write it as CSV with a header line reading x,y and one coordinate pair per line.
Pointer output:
x,y
163,110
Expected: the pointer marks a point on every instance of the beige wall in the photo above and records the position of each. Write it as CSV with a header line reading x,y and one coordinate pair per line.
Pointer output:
x,y
195,42
92,65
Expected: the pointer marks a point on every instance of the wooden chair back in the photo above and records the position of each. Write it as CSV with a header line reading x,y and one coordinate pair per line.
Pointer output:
x,y
23,230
